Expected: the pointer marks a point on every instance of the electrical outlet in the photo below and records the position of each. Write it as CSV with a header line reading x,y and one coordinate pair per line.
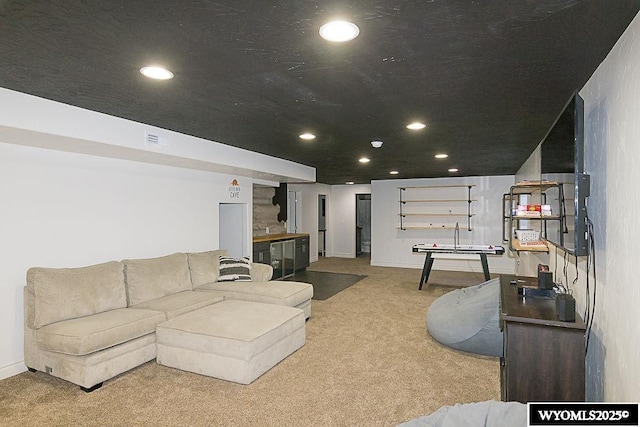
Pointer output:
x,y
267,230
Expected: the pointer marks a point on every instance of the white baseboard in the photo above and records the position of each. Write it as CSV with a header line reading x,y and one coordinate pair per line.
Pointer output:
x,y
445,264
11,370
342,255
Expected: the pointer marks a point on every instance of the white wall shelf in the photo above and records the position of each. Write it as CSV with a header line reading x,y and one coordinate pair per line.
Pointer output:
x,y
444,203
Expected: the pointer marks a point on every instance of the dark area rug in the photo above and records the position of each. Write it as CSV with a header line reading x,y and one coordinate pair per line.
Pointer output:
x,y
326,285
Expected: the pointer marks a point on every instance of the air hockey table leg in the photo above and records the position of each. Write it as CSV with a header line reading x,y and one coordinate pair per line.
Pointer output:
x,y
428,262
485,266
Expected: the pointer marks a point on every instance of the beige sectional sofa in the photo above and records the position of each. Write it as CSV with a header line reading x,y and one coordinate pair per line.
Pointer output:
x,y
89,324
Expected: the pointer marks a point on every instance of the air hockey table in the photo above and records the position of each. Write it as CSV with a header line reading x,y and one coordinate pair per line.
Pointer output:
x,y
430,249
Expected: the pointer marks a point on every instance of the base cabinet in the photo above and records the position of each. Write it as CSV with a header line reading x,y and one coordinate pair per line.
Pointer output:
x,y
262,253
544,358
286,253
302,253
283,258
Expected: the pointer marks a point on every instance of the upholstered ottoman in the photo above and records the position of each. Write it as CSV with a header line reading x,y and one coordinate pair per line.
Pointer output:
x,y
232,340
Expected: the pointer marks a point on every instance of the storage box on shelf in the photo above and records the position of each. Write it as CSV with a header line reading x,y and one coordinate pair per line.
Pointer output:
x,y
527,235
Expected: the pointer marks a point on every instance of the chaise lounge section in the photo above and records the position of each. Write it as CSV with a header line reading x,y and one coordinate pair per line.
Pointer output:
x,y
205,273
89,324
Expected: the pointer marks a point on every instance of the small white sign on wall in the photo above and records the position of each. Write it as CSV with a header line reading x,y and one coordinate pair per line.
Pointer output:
x,y
234,191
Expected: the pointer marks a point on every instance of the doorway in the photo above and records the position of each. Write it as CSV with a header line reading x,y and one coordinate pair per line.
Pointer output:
x,y
322,225
233,229
294,211
363,225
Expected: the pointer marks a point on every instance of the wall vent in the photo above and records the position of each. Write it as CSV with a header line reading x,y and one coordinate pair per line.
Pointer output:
x,y
155,140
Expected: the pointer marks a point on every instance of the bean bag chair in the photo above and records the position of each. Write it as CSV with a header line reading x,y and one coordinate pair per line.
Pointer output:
x,y
481,414
467,319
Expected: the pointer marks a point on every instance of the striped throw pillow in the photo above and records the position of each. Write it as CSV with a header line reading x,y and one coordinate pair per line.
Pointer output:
x,y
234,269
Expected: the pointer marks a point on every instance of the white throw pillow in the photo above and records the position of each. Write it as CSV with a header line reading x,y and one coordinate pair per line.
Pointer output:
x,y
234,269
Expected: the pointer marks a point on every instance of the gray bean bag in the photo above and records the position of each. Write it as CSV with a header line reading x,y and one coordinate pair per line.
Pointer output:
x,y
481,414
467,319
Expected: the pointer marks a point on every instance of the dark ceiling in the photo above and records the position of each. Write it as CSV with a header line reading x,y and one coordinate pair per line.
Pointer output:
x,y
488,77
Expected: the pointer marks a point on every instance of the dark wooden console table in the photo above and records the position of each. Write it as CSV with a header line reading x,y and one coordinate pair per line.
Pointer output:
x,y
543,357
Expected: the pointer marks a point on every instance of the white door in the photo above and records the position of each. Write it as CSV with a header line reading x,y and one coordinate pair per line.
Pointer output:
x,y
294,211
233,228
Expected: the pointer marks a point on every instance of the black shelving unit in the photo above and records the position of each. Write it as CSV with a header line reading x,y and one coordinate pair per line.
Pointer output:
x,y
511,221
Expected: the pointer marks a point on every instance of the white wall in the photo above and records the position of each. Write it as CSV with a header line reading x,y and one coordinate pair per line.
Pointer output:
x,y
25,119
67,210
392,247
309,216
342,219
612,139
612,154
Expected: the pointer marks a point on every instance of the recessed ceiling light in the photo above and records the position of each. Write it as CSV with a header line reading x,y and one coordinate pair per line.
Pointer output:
x,y
339,31
155,72
441,156
349,182
307,136
416,126
394,173
376,144
364,160
453,170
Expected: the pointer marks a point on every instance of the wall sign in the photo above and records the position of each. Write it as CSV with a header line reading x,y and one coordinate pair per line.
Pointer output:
x,y
234,189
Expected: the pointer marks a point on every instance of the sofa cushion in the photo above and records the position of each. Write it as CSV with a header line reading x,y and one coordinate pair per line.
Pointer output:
x,y
57,294
152,278
99,331
234,269
273,292
204,266
183,302
260,272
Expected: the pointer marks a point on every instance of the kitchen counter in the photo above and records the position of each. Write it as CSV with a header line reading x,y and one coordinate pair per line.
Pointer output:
x,y
277,237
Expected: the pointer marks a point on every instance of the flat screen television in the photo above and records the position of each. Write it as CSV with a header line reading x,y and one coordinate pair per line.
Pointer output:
x,y
562,160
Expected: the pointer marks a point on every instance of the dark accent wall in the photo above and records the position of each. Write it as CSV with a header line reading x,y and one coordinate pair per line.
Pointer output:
x,y
280,198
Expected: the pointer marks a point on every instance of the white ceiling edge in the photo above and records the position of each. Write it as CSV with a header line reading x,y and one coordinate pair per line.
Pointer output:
x,y
37,122
265,183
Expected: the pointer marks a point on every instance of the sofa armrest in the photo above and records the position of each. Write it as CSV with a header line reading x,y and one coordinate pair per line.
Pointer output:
x,y
261,272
